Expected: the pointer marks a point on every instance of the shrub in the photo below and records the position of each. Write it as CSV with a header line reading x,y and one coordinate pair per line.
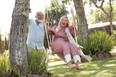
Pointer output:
x,y
114,35
36,60
0,42
4,64
6,70
98,42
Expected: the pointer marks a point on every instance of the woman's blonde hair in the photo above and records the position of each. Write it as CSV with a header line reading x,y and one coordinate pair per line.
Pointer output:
x,y
61,20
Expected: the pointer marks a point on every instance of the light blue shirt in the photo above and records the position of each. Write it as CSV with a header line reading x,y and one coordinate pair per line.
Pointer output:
x,y
36,34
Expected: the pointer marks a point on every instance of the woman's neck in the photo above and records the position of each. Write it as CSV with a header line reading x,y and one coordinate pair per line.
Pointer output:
x,y
63,27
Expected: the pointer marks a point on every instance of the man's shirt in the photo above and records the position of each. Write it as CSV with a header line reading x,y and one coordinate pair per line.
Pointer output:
x,y
36,34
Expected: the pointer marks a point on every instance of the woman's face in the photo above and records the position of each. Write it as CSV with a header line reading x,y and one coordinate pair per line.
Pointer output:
x,y
64,22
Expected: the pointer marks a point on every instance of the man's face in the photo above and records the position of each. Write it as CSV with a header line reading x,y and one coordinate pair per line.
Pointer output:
x,y
39,16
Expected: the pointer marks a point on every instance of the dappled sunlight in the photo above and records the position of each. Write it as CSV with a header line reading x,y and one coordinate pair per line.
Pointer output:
x,y
100,68
104,73
94,66
87,72
111,61
58,67
110,65
61,75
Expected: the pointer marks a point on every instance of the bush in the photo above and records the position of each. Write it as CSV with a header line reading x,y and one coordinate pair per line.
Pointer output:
x,y
114,35
36,60
99,42
4,64
6,70
0,43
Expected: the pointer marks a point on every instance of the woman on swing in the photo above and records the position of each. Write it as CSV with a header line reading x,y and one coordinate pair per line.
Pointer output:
x,y
62,45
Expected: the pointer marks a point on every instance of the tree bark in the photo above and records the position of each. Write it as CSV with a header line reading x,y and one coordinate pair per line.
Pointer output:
x,y
17,42
82,22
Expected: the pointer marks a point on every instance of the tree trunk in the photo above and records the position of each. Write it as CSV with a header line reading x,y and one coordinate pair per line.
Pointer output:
x,y
82,22
17,42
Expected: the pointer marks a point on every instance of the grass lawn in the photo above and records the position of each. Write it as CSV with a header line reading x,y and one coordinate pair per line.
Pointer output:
x,y
101,68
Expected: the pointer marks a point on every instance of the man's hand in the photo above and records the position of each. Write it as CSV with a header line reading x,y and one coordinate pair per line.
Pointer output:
x,y
30,10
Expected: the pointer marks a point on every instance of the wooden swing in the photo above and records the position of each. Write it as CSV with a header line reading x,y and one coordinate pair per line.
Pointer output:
x,y
74,24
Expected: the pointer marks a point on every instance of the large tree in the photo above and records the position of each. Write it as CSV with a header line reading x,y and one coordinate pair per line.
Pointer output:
x,y
81,19
17,46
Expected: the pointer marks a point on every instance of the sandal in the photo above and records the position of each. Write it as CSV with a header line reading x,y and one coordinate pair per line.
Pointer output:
x,y
72,66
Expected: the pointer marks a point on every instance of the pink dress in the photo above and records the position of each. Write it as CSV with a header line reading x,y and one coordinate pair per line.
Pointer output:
x,y
60,44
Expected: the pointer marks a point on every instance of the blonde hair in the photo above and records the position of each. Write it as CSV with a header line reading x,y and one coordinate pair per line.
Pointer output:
x,y
61,20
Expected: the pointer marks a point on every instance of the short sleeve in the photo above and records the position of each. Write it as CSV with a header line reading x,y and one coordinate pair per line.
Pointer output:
x,y
52,30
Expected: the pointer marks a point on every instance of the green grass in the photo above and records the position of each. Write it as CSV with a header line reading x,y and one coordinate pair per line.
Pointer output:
x,y
101,68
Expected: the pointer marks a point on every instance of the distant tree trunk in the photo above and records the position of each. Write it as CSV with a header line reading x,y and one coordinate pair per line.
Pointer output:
x,y
2,47
6,43
0,43
82,22
108,15
17,42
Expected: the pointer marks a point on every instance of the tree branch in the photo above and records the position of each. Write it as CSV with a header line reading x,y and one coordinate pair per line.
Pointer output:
x,y
110,7
97,5
102,3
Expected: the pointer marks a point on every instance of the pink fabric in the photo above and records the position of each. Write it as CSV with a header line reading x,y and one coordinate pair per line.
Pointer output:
x,y
60,44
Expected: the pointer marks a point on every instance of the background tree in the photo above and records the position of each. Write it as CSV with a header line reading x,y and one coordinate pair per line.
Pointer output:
x,y
0,43
97,15
56,10
6,43
108,15
17,48
81,21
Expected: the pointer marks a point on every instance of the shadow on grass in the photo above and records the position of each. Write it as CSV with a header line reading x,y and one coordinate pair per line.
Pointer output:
x,y
100,68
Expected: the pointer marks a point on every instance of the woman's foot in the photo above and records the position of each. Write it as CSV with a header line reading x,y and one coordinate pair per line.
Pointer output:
x,y
78,67
71,66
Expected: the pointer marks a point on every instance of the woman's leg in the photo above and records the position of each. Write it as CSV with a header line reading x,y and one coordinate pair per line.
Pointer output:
x,y
68,60
77,61
77,51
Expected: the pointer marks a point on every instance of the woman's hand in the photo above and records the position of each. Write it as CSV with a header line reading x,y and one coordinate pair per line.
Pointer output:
x,y
51,32
47,20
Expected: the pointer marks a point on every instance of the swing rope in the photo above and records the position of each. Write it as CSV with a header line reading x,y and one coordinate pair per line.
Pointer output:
x,y
49,51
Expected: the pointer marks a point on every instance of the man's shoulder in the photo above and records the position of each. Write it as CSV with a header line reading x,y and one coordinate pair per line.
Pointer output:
x,y
30,19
